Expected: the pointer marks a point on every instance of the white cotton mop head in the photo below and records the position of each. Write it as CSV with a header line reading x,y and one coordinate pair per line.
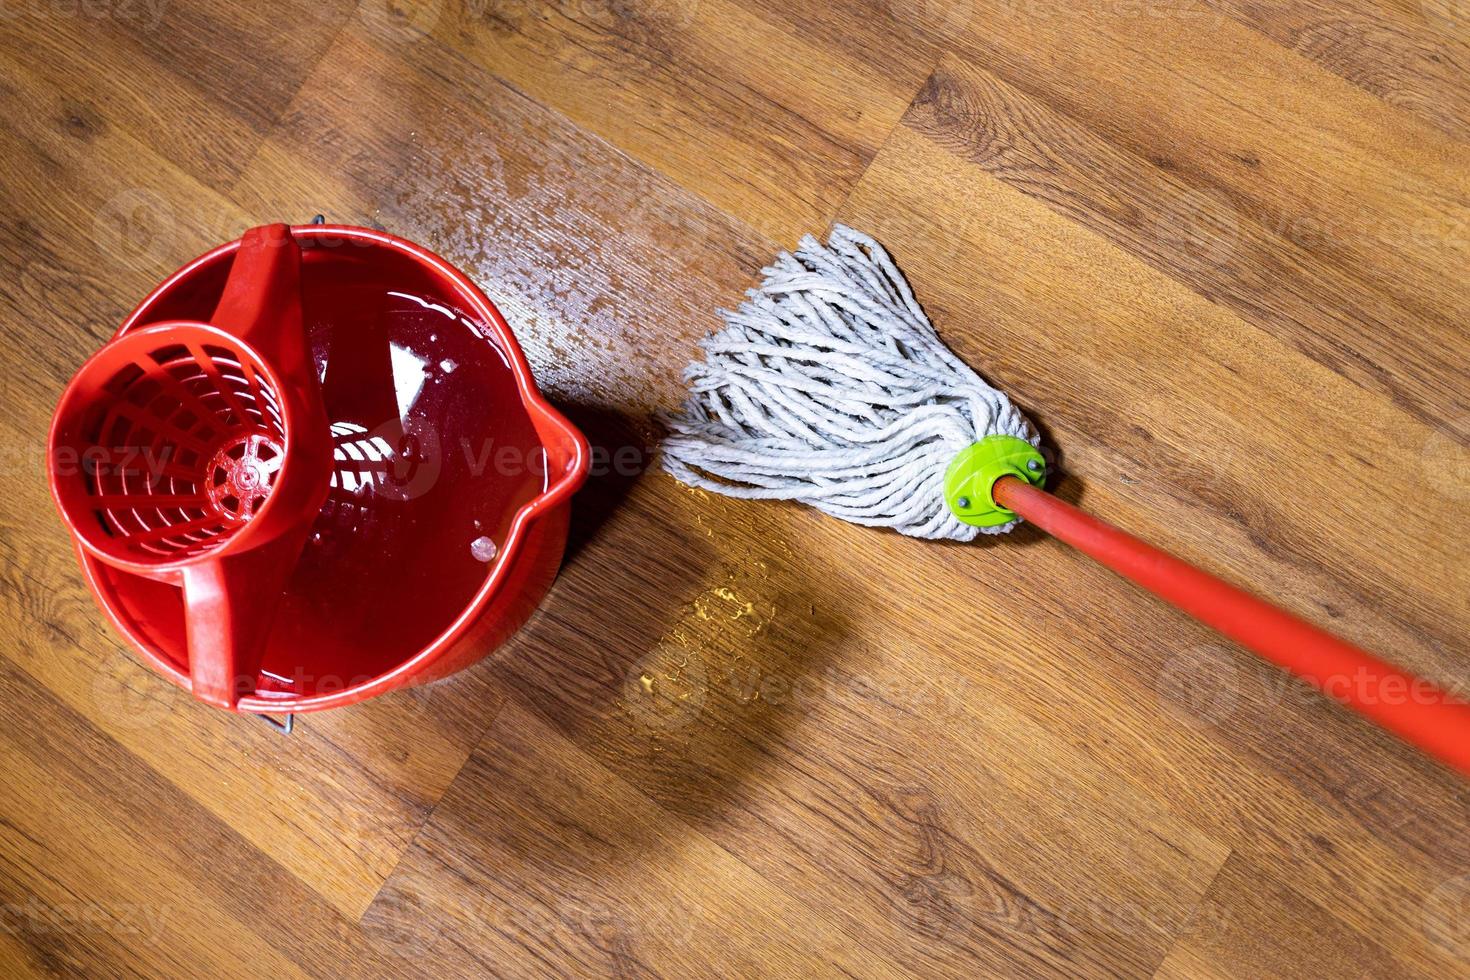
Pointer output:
x,y
830,386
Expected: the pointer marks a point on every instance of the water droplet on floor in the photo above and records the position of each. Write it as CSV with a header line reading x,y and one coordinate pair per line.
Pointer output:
x,y
484,549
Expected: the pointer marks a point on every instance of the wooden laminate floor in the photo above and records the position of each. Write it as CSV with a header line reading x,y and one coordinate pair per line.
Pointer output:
x,y
1217,247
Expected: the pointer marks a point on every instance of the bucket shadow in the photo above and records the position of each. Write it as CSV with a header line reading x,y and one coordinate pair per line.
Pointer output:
x,y
682,641
624,448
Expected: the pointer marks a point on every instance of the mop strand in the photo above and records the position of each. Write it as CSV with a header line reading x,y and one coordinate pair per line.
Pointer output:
x,y
829,386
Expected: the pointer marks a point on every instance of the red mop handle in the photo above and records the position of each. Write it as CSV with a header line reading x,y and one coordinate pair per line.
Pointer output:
x,y
1410,707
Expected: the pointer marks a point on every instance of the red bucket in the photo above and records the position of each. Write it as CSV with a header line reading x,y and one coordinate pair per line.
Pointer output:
x,y
446,506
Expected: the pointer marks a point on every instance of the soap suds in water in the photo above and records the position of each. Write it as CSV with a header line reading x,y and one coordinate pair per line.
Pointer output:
x,y
484,549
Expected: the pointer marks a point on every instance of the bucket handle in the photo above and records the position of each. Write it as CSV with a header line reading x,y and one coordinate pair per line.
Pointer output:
x,y
230,600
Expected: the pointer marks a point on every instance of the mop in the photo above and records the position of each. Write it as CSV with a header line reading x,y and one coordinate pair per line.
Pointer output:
x,y
829,386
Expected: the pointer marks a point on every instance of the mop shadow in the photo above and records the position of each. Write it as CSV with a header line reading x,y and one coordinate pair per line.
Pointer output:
x,y
679,646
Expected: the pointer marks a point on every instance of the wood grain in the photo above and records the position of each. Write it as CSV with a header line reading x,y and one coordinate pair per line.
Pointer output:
x,y
764,123
1194,382
311,796
1084,276
1216,249
1413,56
1279,139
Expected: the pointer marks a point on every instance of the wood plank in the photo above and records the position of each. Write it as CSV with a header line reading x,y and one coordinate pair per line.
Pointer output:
x,y
128,219
1272,282
583,876
583,249
1228,938
754,716
1283,142
1176,396
1217,250
1413,56
501,207
755,118
337,804
136,96
1047,312
110,868
168,80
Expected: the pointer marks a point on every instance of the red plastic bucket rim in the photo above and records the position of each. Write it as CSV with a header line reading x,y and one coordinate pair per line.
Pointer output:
x,y
560,488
